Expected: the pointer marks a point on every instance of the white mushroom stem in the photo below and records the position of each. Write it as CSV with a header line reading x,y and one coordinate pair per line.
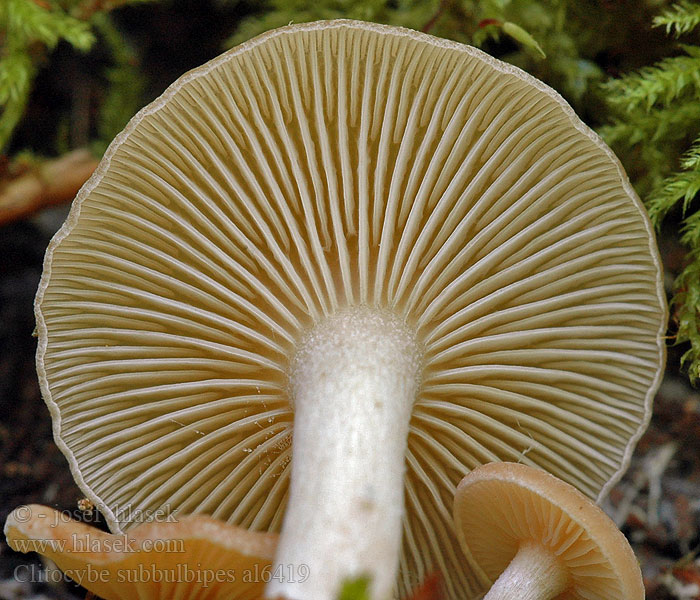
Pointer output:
x,y
535,573
354,382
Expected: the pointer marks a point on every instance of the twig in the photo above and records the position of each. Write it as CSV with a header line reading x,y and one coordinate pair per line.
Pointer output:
x,y
438,13
654,466
53,182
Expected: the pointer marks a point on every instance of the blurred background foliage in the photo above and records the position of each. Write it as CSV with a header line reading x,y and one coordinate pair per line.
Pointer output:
x,y
72,73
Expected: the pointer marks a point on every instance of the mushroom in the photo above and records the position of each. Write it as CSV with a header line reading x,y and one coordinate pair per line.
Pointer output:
x,y
195,557
540,538
413,256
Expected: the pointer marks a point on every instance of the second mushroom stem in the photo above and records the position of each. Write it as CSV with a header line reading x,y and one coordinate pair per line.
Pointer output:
x,y
535,573
353,383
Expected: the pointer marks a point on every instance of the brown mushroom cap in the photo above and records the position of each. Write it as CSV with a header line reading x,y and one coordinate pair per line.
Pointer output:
x,y
320,168
194,557
501,506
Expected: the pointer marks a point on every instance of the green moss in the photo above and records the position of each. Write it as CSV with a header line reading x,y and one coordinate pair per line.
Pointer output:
x,y
30,30
655,128
355,589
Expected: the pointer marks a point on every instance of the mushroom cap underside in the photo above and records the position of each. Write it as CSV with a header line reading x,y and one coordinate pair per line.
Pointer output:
x,y
331,165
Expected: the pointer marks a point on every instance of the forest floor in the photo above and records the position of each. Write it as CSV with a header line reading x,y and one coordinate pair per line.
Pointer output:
x,y
657,503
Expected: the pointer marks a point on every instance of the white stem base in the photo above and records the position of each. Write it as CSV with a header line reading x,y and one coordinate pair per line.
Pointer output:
x,y
535,573
353,382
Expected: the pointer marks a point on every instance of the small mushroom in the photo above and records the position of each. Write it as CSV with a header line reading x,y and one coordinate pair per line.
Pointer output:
x,y
195,557
540,538
411,256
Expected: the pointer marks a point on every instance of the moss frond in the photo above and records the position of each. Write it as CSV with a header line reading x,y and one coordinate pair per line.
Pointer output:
x,y
680,18
661,84
126,85
686,303
680,187
29,29
656,129
653,125
16,73
355,589
28,22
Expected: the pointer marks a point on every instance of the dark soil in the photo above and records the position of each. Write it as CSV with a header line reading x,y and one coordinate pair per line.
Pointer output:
x,y
32,469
